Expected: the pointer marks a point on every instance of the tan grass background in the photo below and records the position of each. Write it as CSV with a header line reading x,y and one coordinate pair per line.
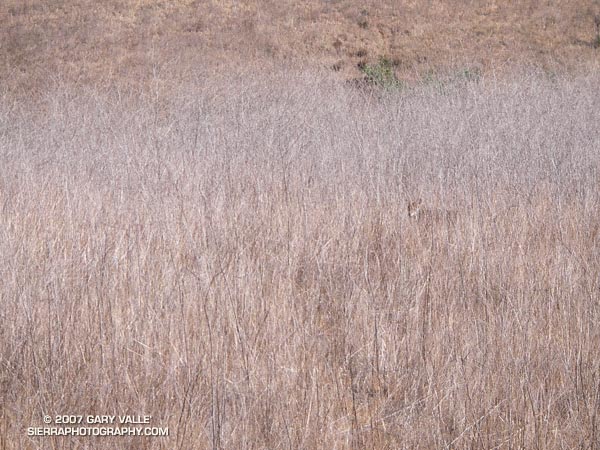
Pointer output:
x,y
236,260
93,41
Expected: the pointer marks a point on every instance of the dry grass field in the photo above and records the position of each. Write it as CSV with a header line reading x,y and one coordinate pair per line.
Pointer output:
x,y
91,41
203,221
236,260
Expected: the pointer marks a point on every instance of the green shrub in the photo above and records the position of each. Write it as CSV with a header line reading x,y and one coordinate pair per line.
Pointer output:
x,y
381,74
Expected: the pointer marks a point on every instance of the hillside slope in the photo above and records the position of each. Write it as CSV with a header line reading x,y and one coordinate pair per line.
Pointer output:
x,y
91,41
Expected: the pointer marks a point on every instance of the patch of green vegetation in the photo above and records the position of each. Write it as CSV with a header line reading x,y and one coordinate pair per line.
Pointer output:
x,y
469,74
382,74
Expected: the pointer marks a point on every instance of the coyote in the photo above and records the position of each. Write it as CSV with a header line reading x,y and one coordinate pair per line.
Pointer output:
x,y
429,216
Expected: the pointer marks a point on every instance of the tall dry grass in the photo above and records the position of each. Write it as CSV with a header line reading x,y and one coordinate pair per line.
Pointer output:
x,y
236,261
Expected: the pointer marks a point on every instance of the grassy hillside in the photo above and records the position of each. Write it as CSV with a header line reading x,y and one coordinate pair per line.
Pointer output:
x,y
202,221
90,41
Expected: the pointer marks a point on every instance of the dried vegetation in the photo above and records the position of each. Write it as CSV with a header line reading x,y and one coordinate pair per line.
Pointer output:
x,y
236,260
